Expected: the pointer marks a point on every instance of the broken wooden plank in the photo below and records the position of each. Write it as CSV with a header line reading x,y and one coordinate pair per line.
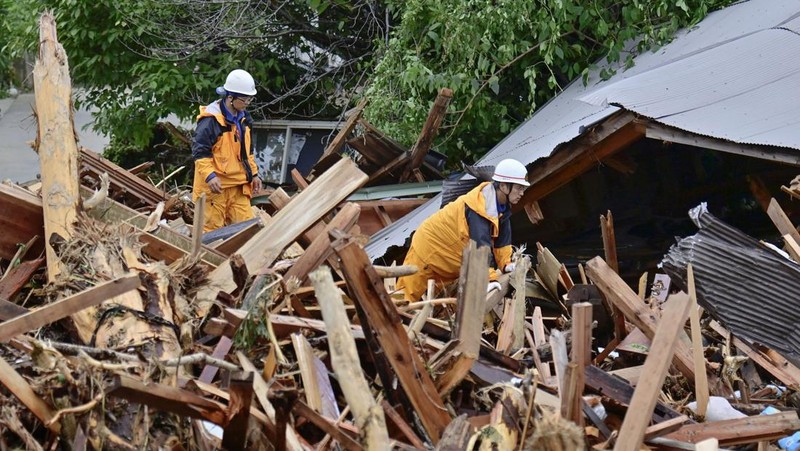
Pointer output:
x,y
610,248
93,165
656,366
9,310
307,208
781,221
55,141
511,336
26,222
429,131
347,128
303,410
19,276
168,399
701,378
367,413
634,308
320,248
740,430
163,243
665,427
17,385
381,313
62,308
581,357
240,387
317,387
781,368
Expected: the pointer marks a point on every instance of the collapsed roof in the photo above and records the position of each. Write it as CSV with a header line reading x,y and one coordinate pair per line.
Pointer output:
x,y
728,78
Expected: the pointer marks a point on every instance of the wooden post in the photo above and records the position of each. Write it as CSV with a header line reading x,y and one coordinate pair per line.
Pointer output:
x,y
610,248
781,221
658,360
381,314
581,356
240,387
55,142
198,225
368,414
701,378
429,131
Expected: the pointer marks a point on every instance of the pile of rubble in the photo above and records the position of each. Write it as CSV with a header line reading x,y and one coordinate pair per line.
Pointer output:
x,y
127,334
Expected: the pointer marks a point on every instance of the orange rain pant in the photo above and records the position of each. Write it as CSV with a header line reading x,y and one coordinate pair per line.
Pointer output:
x,y
230,206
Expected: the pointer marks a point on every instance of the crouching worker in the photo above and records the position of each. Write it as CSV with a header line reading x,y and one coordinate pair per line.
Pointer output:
x,y
482,215
224,166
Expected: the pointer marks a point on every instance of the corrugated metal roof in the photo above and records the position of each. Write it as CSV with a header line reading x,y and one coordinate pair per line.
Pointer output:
x,y
748,287
563,118
746,90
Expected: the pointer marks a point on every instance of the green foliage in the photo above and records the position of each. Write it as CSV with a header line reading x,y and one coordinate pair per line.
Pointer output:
x,y
503,59
141,60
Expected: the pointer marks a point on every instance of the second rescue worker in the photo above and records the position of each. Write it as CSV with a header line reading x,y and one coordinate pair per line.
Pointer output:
x,y
482,215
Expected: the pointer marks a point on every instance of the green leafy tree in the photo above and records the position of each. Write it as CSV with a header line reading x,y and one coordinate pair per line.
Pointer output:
x,y
138,61
504,58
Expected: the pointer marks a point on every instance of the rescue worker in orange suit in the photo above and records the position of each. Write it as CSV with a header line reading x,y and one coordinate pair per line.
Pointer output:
x,y
482,215
224,166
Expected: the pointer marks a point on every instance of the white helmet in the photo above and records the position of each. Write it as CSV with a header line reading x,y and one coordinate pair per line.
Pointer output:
x,y
511,171
240,82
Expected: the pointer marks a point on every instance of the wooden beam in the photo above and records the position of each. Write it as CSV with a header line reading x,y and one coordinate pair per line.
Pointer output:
x,y
164,243
618,389
320,249
17,277
303,410
368,290
55,141
9,310
581,154
656,366
665,427
307,208
581,357
776,154
367,414
610,248
701,378
782,369
240,387
781,221
740,430
454,361
345,131
471,297
634,308
317,386
511,336
35,319
168,399
26,222
280,199
429,131
17,385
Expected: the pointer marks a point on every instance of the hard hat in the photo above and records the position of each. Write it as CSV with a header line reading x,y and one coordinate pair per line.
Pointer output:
x,y
240,82
511,171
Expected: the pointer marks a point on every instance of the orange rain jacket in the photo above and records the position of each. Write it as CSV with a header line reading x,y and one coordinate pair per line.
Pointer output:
x,y
439,242
218,148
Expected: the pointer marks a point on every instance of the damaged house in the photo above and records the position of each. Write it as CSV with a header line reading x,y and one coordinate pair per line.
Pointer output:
x,y
711,117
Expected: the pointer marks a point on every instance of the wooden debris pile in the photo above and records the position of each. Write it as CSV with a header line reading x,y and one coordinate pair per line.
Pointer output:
x,y
129,335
